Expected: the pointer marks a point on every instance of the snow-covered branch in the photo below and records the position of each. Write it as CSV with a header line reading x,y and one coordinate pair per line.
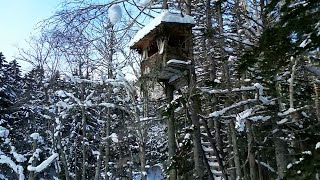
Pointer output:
x,y
225,91
238,104
16,168
44,164
313,69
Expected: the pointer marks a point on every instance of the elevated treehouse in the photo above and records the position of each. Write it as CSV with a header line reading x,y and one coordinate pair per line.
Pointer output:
x,y
165,46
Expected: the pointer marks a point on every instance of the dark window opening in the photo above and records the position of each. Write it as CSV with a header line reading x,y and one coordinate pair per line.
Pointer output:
x,y
177,41
153,48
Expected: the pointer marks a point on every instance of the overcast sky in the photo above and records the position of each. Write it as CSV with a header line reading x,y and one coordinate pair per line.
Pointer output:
x,y
18,21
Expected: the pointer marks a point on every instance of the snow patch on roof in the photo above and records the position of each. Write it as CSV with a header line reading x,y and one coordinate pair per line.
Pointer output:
x,y
165,16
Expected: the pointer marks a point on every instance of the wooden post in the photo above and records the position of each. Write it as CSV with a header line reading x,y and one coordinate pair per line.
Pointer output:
x,y
171,131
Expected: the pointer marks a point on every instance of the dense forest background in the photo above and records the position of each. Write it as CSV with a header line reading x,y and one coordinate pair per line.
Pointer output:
x,y
252,111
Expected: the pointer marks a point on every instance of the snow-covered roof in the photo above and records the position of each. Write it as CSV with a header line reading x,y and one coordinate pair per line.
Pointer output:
x,y
165,16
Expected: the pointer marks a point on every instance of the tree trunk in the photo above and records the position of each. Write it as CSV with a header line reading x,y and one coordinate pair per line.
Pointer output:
x,y
195,108
34,162
295,115
279,144
226,74
63,158
291,85
235,149
121,158
259,167
212,71
99,163
230,155
171,132
108,119
316,99
142,131
281,151
76,169
197,147
251,152
143,161
107,146
214,124
217,133
84,139
130,163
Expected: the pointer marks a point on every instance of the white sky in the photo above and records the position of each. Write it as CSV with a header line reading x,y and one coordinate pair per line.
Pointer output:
x,y
19,19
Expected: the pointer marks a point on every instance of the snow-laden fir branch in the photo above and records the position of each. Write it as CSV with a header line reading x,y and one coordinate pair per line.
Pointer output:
x,y
44,164
16,168
290,110
224,91
266,165
238,104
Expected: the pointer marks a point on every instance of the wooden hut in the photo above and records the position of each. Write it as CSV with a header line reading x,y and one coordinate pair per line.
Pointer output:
x,y
165,45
